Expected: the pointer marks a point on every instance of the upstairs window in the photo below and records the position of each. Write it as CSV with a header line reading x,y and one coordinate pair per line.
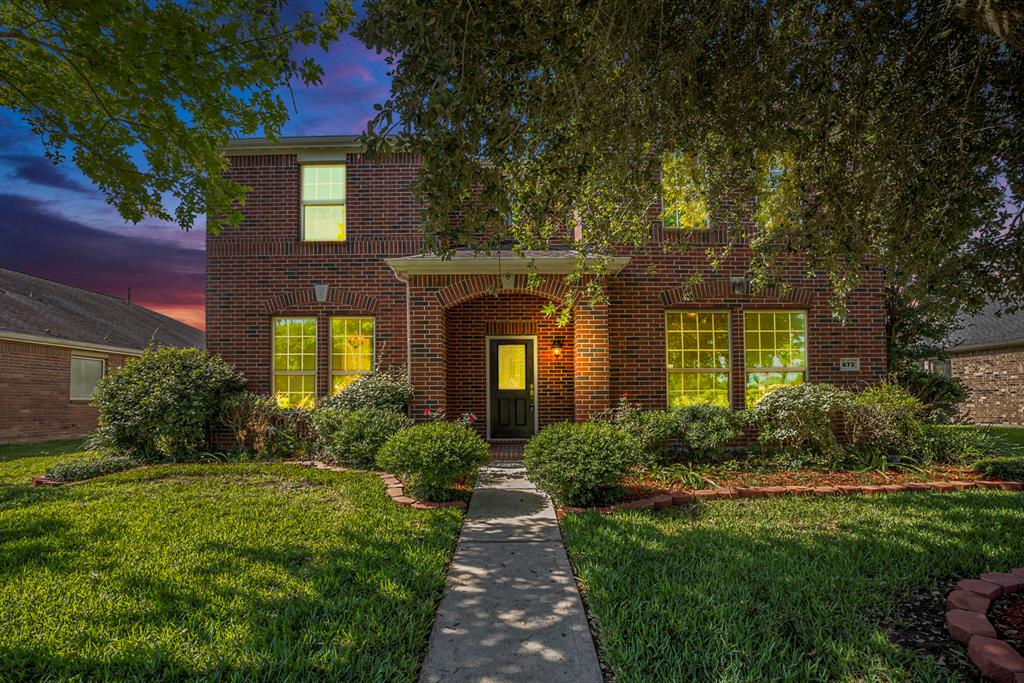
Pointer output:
x,y
352,350
684,205
697,357
294,373
85,375
323,202
775,347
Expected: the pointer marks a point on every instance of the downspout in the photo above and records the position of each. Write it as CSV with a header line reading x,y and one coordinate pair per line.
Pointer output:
x,y
408,323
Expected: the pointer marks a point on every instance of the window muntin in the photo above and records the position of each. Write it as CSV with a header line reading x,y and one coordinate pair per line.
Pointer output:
x,y
697,356
775,351
294,362
86,373
352,350
323,202
684,205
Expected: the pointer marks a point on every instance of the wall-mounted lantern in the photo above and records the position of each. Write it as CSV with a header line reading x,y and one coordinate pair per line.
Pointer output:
x,y
320,292
556,347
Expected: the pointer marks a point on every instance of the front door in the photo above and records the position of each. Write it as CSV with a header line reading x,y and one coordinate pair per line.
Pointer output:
x,y
511,409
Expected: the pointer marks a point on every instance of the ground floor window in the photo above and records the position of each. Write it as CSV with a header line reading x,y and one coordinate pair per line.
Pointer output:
x,y
697,357
352,350
86,373
775,351
294,362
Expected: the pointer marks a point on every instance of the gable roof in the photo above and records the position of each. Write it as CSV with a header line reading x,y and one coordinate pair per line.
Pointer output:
x,y
988,329
45,310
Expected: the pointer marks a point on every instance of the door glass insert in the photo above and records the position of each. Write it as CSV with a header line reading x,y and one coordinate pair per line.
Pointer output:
x,y
511,367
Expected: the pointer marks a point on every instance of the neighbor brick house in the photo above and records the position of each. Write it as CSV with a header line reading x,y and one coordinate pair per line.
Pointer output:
x,y
56,342
987,354
326,279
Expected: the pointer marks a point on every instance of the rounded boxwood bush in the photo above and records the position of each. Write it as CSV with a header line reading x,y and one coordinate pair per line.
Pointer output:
x,y
884,421
703,430
802,420
353,437
431,458
581,463
387,389
1007,468
162,405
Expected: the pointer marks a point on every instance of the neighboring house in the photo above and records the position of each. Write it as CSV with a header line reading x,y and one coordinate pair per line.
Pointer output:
x,y
325,280
987,354
56,342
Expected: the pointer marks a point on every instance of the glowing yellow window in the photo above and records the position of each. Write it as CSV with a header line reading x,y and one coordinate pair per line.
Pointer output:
x,y
775,351
323,203
697,357
294,373
511,367
352,350
683,204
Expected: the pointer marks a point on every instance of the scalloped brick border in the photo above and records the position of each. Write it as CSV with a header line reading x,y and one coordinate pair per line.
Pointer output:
x,y
395,488
665,500
967,621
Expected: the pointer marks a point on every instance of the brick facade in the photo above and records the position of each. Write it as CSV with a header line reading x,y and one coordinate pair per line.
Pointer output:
x,y
261,269
995,378
35,381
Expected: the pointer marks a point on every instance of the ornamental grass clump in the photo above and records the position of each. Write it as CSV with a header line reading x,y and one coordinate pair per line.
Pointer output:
x,y
431,458
582,463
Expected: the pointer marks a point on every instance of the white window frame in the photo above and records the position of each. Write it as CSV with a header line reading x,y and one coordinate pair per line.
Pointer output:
x,y
330,350
71,378
303,202
727,370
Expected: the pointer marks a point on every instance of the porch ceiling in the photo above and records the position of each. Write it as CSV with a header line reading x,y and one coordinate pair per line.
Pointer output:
x,y
477,263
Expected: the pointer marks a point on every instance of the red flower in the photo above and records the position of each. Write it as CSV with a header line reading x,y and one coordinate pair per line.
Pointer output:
x,y
472,418
426,411
625,394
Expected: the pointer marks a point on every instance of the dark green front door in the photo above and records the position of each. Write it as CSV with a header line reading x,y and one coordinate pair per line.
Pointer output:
x,y
511,410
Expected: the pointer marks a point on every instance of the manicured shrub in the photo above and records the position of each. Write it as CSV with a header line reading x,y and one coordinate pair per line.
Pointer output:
x,y
162,405
263,429
802,420
1007,468
883,426
702,431
388,389
961,444
581,463
88,468
353,437
652,429
938,394
430,458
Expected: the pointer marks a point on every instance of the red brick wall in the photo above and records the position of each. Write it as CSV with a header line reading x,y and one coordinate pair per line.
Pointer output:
x,y
35,386
467,327
996,380
261,269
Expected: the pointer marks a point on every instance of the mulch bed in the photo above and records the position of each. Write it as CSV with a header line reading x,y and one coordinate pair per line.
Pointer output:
x,y
1007,615
919,624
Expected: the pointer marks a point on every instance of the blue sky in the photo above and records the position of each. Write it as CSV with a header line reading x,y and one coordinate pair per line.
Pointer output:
x,y
55,224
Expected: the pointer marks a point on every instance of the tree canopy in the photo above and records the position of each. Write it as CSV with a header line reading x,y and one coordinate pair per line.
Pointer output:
x,y
859,132
143,95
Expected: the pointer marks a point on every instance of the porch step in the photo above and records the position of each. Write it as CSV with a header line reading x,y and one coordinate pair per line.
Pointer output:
x,y
507,450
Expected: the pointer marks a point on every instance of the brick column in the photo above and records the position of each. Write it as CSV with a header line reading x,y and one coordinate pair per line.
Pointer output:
x,y
427,331
590,360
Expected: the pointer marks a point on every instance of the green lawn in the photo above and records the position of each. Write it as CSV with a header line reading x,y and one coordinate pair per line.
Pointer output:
x,y
226,572
786,589
19,463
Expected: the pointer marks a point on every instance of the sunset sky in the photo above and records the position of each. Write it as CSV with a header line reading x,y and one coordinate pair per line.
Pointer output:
x,y
55,224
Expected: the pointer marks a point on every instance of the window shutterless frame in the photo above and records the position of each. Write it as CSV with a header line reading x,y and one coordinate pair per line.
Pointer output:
x,y
305,201
727,370
332,371
273,353
103,373
781,369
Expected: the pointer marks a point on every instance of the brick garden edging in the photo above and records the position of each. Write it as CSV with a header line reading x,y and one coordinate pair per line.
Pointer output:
x,y
395,488
665,500
967,621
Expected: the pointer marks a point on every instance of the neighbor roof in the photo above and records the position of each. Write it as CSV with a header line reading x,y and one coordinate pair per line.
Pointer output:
x,y
987,329
35,307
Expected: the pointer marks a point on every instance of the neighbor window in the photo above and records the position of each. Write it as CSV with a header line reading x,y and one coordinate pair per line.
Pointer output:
x,y
85,374
323,203
294,374
697,357
775,348
351,350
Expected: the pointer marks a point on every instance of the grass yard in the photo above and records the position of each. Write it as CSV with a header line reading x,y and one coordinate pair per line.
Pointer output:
x,y
20,462
224,572
784,589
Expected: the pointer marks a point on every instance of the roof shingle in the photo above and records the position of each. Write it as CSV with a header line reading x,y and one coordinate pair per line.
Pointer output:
x,y
987,327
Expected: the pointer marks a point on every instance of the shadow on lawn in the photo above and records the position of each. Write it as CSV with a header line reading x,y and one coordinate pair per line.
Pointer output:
x,y
786,589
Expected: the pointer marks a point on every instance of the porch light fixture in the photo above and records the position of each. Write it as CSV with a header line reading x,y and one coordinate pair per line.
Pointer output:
x,y
320,292
556,347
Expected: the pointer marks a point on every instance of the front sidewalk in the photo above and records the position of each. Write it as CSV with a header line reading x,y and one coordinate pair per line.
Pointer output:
x,y
511,610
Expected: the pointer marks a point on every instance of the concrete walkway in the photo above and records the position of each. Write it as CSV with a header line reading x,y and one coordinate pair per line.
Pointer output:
x,y
510,611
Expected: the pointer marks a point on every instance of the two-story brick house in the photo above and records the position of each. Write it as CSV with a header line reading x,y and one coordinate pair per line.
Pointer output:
x,y
325,279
